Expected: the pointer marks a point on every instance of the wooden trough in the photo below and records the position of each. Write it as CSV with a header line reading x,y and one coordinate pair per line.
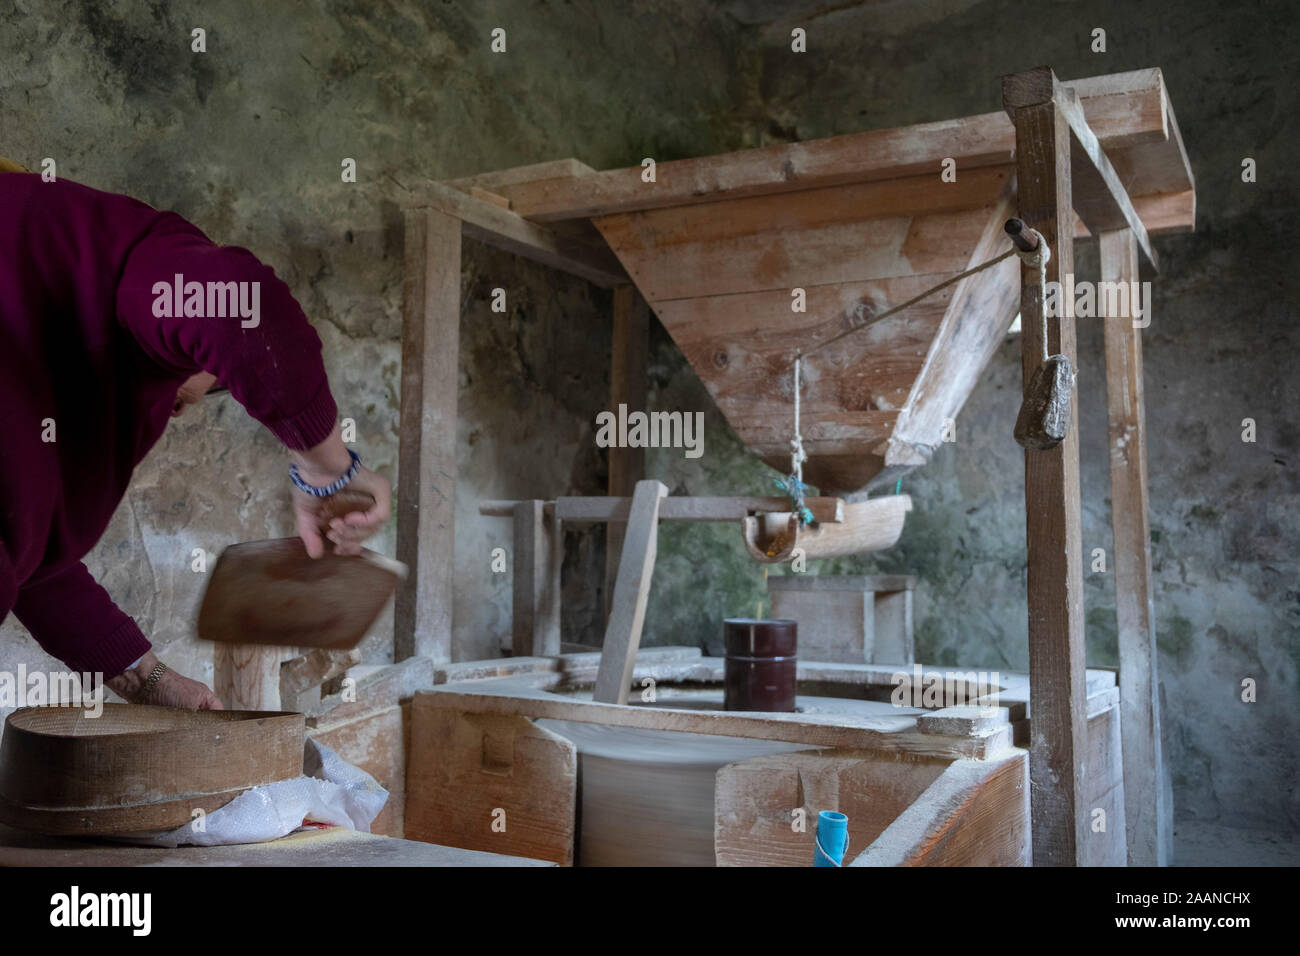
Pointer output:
x,y
679,781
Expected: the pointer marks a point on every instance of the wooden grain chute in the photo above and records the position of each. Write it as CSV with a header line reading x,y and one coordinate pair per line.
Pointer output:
x,y
871,525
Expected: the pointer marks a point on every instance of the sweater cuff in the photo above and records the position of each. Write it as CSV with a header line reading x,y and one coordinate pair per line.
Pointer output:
x,y
309,427
113,653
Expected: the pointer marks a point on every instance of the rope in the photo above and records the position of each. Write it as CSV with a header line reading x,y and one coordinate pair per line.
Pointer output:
x,y
794,485
1039,257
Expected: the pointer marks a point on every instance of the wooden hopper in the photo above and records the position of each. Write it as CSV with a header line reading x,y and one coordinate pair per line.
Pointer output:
x,y
720,245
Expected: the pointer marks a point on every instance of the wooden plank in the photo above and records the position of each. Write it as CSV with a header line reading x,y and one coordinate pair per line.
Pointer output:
x,y
627,386
489,222
1161,166
379,689
247,676
1052,504
849,250
1161,213
1127,107
553,169
820,208
975,814
527,696
335,847
426,480
754,800
631,593
301,677
535,617
974,324
894,641
684,508
837,625
1104,790
1149,820
479,193
493,783
1099,197
1096,191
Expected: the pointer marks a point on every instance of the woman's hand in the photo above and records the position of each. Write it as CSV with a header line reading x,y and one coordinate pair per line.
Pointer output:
x,y
170,690
321,466
345,533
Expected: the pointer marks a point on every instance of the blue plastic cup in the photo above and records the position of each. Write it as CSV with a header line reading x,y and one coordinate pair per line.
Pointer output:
x,y
832,838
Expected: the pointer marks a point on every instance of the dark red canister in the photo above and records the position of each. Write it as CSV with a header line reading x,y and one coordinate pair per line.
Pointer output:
x,y
760,669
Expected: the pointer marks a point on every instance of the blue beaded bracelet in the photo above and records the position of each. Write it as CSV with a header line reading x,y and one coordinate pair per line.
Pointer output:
x,y
334,486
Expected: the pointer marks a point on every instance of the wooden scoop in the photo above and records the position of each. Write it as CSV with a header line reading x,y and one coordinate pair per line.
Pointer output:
x,y
272,592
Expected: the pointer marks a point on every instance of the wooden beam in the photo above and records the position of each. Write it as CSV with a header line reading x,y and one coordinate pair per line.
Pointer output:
x,y
1149,819
631,593
489,222
536,613
1162,213
1052,507
982,307
1096,192
683,508
301,677
426,477
552,169
627,386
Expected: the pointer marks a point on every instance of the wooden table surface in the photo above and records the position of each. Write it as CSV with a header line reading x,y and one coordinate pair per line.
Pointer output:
x,y
332,847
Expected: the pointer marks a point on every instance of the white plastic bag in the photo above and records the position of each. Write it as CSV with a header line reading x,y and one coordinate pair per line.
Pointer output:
x,y
332,791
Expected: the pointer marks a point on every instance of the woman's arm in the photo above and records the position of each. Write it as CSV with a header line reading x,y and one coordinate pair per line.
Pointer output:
x,y
72,617
270,359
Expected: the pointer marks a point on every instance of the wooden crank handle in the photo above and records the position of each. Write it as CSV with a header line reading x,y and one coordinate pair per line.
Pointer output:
x,y
342,503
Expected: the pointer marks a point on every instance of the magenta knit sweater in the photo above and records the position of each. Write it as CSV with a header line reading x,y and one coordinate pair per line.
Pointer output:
x,y
90,358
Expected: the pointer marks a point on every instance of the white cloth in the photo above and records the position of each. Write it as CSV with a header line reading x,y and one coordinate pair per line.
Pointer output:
x,y
331,791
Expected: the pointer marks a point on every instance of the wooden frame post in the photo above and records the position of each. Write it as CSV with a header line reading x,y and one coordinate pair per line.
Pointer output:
x,y
627,386
426,480
1147,809
247,676
539,551
1058,731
